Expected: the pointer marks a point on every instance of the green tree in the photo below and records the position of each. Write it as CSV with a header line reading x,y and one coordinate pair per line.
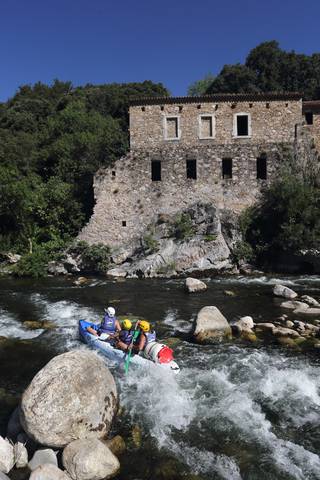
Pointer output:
x,y
200,87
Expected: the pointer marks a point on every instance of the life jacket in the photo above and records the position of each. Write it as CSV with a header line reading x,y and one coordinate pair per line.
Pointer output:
x,y
126,336
108,325
151,337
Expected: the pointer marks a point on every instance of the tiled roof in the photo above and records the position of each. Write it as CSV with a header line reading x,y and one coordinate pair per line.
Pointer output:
x,y
311,106
219,97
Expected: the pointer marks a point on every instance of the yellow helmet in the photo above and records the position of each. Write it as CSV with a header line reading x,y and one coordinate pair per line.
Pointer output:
x,y
126,324
145,326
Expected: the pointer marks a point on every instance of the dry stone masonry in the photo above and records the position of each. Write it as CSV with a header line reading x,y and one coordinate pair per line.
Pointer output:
x,y
216,149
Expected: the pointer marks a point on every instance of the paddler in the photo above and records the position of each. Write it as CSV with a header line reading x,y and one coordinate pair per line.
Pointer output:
x,y
108,327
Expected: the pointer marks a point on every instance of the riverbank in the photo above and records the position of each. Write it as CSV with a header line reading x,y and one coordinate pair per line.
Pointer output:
x,y
238,410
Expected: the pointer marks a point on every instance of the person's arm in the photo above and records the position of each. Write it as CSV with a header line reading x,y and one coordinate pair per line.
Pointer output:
x,y
142,341
118,326
92,331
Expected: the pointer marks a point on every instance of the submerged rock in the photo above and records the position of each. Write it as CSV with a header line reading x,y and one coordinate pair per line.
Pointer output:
x,y
195,285
285,292
116,445
211,324
89,459
72,397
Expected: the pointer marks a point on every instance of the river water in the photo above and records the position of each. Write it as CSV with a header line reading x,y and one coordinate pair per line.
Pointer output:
x,y
236,411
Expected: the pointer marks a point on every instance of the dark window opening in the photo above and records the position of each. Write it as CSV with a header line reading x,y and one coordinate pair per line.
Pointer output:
x,y
124,223
156,170
242,126
192,169
227,168
262,168
309,118
143,109
113,173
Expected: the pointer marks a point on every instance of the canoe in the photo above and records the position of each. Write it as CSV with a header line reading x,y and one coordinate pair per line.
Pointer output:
x,y
117,355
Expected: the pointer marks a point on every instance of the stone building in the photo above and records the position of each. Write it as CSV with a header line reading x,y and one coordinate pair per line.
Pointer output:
x,y
219,149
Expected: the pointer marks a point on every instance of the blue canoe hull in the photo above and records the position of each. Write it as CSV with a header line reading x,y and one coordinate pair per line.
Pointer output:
x,y
116,355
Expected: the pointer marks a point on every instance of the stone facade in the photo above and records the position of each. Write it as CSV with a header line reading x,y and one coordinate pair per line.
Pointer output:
x,y
224,167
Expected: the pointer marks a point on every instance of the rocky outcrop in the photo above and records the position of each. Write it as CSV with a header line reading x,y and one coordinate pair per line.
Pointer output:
x,y
194,285
211,325
89,459
72,397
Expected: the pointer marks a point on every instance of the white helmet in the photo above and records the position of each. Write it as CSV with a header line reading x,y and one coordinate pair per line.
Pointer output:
x,y
111,311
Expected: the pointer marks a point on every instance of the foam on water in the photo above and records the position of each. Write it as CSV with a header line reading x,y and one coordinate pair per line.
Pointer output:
x,y
228,399
10,327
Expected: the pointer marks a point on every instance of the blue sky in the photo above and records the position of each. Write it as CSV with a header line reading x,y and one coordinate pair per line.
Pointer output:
x,y
171,41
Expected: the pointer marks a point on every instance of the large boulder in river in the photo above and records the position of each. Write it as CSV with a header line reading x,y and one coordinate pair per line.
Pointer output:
x,y
195,285
210,325
285,292
89,459
73,396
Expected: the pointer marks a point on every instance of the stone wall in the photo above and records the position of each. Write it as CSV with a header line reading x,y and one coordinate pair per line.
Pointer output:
x,y
271,122
127,200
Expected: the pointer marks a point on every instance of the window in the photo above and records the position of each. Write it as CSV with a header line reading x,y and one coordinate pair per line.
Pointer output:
x,y
262,167
171,131
192,169
113,173
206,126
309,118
242,125
124,223
227,168
156,170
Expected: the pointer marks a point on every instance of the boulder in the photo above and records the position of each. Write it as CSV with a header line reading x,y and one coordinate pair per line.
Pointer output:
x,y
194,285
71,264
56,268
211,324
312,311
117,272
80,281
285,292
312,302
294,304
245,323
72,397
89,459
48,472
265,327
6,455
289,324
285,332
20,455
42,457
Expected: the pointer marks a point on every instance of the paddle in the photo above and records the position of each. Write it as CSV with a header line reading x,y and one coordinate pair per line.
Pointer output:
x,y
134,337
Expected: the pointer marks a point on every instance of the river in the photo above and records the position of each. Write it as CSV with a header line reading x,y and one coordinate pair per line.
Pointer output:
x,y
236,411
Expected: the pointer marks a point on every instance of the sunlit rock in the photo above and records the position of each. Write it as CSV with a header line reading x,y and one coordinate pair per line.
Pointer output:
x,y
285,292
194,285
72,397
211,324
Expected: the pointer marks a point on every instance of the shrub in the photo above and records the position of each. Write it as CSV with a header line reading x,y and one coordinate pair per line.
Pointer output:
x,y
150,244
95,258
183,227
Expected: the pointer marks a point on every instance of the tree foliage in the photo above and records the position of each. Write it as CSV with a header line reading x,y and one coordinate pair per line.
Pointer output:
x,y
52,141
268,68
